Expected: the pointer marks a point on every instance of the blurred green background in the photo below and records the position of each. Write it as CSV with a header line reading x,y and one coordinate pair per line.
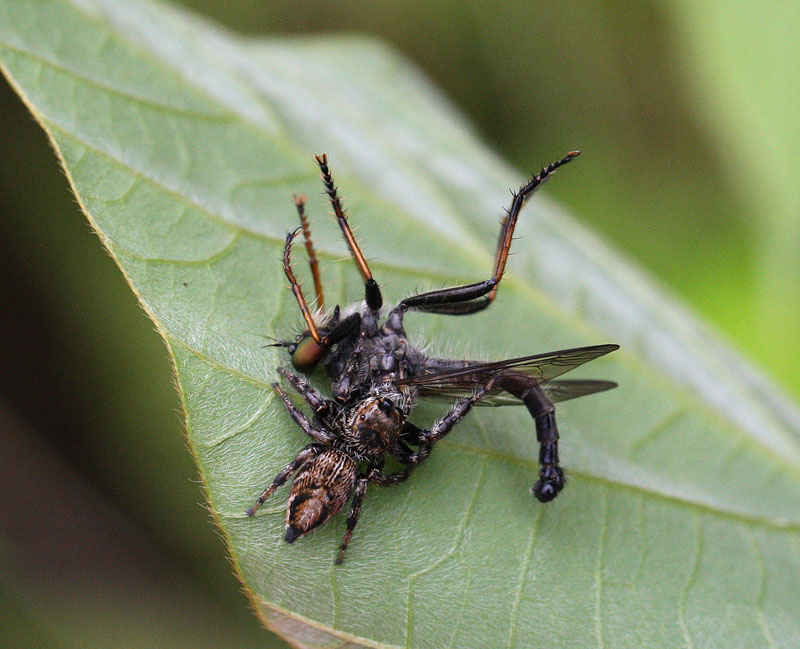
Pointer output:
x,y
687,116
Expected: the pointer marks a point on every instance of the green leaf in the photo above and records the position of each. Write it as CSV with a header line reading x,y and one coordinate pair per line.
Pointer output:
x,y
680,522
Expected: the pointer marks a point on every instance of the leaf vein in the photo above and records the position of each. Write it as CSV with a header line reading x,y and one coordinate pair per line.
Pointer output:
x,y
247,425
762,588
525,567
658,429
690,581
598,570
459,537
227,116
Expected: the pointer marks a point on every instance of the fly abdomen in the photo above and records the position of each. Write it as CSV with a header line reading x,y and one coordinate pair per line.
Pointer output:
x,y
320,490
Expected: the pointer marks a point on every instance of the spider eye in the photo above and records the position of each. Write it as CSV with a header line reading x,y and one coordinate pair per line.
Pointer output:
x,y
362,418
306,354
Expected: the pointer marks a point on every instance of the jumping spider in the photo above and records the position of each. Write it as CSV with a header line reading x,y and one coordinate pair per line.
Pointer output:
x,y
376,376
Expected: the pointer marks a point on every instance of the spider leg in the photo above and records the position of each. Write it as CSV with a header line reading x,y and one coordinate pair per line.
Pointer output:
x,y
400,451
300,203
352,518
388,479
319,404
372,292
411,434
306,454
471,298
454,416
426,440
319,436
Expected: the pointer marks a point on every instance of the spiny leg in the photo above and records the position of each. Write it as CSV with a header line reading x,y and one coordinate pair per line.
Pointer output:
x,y
510,222
300,203
313,351
455,415
295,286
373,296
322,437
319,404
307,453
352,518
471,298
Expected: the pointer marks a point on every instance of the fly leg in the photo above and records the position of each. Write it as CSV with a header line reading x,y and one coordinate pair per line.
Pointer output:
x,y
294,285
551,476
306,454
300,203
343,387
471,298
352,518
372,293
308,351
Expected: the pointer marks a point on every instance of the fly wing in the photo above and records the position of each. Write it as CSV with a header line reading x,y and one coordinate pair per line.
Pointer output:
x,y
559,390
565,390
493,397
540,367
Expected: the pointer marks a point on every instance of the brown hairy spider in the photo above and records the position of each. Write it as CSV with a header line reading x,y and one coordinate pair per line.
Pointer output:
x,y
376,376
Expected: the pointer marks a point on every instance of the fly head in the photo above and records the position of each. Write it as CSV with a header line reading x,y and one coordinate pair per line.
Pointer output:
x,y
306,353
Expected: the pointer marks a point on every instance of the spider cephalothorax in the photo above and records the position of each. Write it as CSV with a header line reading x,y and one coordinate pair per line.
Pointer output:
x,y
376,376
373,426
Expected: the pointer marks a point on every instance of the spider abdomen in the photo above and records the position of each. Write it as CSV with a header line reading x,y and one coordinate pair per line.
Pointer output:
x,y
320,490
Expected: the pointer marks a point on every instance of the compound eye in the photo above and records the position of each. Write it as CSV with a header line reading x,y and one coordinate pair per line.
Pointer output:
x,y
307,354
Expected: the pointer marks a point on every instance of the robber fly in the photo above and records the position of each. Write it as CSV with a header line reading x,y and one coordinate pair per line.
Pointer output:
x,y
377,375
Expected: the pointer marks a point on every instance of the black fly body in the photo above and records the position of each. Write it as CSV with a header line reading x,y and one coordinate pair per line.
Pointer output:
x,y
377,375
